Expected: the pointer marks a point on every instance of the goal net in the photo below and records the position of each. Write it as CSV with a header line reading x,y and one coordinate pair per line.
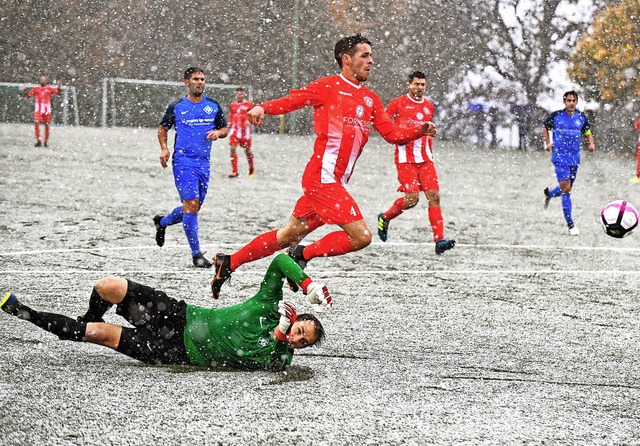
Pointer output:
x,y
17,108
142,102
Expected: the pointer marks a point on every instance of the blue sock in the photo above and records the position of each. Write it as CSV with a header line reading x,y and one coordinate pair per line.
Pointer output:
x,y
190,225
555,192
172,217
566,208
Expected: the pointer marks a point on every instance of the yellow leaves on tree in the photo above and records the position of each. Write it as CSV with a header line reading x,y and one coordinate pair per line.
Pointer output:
x,y
607,61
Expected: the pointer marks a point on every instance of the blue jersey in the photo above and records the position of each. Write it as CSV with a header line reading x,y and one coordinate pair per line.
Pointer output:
x,y
567,131
192,121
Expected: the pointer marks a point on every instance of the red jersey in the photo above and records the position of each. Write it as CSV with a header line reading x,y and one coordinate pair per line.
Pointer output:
x,y
409,112
344,112
43,98
238,122
637,124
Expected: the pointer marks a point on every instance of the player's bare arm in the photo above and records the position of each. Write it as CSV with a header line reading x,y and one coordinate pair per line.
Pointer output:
x,y
591,142
162,139
547,139
218,133
256,115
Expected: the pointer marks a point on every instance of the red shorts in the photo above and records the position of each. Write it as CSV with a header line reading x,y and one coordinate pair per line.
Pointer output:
x,y
416,177
42,118
242,142
331,203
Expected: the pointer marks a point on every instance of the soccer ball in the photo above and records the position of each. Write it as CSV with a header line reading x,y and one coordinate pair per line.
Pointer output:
x,y
619,218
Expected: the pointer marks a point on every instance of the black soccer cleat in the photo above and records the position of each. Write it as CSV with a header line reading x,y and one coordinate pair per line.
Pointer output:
x,y
223,272
159,230
443,245
10,304
295,252
199,261
383,227
547,198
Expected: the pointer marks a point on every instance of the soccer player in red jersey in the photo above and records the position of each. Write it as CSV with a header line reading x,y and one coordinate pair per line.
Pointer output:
x,y
240,131
42,111
344,111
414,162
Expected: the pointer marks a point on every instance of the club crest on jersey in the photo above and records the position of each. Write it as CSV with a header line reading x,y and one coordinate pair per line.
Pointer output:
x,y
208,110
368,101
359,111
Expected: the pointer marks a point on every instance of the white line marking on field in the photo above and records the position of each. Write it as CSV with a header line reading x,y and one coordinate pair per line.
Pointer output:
x,y
376,244
333,273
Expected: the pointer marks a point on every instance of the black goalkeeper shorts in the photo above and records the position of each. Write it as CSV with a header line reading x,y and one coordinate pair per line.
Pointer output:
x,y
158,320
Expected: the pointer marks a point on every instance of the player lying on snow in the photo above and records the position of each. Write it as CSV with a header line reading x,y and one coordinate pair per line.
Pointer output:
x,y
260,333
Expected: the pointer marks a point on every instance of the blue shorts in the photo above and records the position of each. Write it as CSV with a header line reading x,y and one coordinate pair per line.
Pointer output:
x,y
191,182
565,173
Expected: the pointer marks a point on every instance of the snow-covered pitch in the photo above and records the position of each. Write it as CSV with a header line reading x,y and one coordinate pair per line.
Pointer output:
x,y
519,335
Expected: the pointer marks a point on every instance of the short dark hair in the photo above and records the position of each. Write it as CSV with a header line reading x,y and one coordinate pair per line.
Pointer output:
x,y
189,72
570,93
240,89
319,329
416,75
347,45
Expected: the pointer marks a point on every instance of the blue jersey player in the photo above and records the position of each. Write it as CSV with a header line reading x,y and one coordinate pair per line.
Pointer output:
x,y
198,121
568,127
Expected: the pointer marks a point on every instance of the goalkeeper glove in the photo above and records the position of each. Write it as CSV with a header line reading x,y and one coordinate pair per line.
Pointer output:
x,y
319,296
288,316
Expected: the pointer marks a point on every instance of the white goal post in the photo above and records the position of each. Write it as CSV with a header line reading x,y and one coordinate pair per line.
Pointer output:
x,y
69,99
112,102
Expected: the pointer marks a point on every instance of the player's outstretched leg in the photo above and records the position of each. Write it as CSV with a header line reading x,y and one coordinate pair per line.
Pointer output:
x,y
222,263
62,326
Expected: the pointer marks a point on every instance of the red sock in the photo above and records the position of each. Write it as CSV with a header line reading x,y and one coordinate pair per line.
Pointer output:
x,y
38,131
396,209
46,134
262,246
250,161
234,163
332,244
437,223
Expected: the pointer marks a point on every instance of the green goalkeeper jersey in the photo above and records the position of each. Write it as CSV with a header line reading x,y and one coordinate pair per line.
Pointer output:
x,y
241,336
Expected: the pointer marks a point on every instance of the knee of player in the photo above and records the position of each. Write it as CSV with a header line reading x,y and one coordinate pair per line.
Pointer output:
x,y
103,334
434,199
411,200
364,239
110,288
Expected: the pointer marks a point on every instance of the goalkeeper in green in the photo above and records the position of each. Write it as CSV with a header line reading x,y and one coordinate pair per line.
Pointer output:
x,y
260,333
